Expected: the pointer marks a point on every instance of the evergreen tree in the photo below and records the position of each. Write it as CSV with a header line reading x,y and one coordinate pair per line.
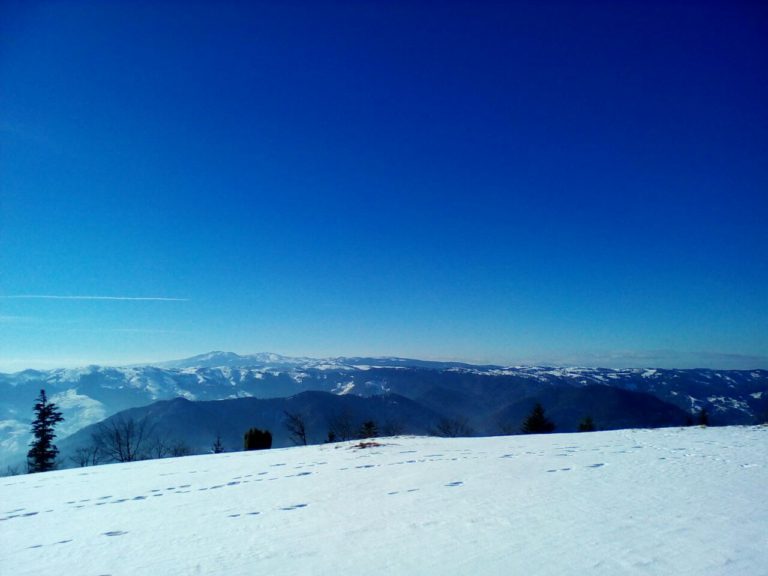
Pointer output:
x,y
703,418
42,453
587,425
537,422
256,439
369,430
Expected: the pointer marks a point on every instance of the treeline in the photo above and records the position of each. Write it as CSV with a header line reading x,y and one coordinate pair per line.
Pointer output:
x,y
121,439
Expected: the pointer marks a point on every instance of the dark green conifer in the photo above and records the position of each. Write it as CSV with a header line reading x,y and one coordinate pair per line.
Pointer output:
x,y
537,422
587,425
42,453
369,430
256,439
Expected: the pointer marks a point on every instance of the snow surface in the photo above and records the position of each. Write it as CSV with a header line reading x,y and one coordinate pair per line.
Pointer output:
x,y
659,502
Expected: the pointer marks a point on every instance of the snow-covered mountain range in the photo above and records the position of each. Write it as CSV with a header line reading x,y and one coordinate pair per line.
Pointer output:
x,y
89,394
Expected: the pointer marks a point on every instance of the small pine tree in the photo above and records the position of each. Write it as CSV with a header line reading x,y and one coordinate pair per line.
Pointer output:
x,y
703,418
369,430
217,447
256,439
42,453
537,422
587,425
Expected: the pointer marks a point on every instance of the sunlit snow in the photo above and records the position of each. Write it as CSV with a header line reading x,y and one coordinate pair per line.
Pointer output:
x,y
659,502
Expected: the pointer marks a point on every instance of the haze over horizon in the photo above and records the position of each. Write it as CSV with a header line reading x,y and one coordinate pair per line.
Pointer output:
x,y
506,183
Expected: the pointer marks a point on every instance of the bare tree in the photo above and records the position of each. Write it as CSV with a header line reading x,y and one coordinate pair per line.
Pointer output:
x,y
180,448
452,428
217,447
340,428
11,471
297,428
392,428
508,429
87,456
122,440
158,448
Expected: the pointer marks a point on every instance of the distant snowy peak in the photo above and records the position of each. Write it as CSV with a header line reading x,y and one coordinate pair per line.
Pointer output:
x,y
218,359
272,361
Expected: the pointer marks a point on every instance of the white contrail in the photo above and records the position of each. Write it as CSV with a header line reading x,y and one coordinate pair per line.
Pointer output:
x,y
54,297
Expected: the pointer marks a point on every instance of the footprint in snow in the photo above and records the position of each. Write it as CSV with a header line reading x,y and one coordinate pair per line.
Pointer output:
x,y
455,484
294,507
115,533
598,465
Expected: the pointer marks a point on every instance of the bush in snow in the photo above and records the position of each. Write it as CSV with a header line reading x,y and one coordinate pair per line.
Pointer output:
x,y
256,439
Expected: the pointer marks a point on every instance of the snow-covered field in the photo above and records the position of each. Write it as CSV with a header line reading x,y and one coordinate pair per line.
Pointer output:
x,y
669,501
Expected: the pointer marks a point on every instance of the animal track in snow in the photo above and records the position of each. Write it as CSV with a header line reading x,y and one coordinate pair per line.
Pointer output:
x,y
294,507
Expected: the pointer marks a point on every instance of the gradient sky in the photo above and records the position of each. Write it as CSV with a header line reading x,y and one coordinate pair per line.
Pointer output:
x,y
512,182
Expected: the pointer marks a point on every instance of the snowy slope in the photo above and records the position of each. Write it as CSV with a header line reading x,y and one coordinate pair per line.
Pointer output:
x,y
656,502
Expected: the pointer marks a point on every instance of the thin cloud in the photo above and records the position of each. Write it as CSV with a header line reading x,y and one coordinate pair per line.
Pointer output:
x,y
112,298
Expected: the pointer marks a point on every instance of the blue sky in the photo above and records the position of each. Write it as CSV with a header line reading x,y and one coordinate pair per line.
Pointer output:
x,y
512,182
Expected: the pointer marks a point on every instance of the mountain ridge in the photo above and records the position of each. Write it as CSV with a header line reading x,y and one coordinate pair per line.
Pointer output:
x,y
89,394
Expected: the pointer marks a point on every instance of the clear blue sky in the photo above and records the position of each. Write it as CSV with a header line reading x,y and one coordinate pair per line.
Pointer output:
x,y
513,182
